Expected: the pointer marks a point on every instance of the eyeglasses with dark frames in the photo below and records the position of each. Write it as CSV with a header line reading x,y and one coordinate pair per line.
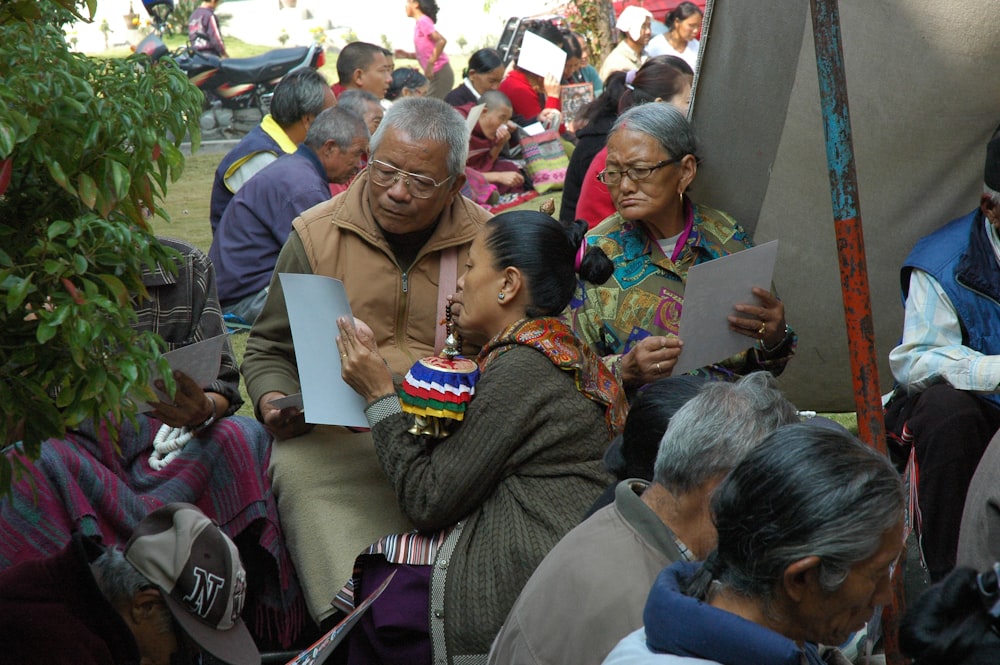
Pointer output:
x,y
634,173
386,175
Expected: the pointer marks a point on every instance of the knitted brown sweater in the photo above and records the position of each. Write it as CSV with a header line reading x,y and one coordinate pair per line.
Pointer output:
x,y
520,472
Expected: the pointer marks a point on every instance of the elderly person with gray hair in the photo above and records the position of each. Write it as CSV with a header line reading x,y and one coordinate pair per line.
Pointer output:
x,y
655,237
257,221
300,96
590,589
810,527
396,238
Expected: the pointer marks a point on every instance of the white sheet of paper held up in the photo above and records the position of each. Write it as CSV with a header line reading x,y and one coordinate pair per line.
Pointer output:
x,y
711,290
314,302
540,56
200,361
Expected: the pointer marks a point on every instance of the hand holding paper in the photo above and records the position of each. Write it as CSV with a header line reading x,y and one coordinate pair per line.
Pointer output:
x,y
714,289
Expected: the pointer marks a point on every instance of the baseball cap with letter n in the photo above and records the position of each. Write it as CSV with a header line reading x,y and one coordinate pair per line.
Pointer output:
x,y
198,570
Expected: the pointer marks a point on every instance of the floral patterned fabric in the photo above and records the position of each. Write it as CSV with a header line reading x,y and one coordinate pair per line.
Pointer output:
x,y
556,341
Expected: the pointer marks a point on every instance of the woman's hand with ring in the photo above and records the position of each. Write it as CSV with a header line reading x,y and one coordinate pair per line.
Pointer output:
x,y
764,321
651,359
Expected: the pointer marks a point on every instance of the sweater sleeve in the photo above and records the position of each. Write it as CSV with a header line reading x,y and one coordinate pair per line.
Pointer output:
x,y
269,361
439,483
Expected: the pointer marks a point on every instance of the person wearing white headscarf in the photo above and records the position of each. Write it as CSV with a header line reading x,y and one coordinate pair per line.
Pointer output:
x,y
635,24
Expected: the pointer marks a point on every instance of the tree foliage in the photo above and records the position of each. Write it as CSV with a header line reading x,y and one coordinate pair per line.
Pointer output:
x,y
87,149
594,19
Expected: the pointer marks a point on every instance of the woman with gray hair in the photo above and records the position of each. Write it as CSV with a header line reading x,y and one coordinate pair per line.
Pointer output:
x,y
657,234
810,527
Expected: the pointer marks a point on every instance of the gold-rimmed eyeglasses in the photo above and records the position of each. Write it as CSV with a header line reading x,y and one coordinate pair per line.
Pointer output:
x,y
387,175
634,173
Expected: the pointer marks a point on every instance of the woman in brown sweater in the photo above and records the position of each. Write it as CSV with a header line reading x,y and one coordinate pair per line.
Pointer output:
x,y
493,497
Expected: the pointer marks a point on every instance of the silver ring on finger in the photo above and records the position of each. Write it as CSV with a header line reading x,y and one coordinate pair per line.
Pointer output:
x,y
657,367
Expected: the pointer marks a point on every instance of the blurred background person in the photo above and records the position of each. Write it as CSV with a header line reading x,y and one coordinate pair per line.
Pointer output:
x,y
635,25
683,27
406,82
428,45
484,72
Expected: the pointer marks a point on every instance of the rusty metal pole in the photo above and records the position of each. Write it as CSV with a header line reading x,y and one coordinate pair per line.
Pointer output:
x,y
852,259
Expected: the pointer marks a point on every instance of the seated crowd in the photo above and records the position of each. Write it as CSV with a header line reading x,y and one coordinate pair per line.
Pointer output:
x,y
587,505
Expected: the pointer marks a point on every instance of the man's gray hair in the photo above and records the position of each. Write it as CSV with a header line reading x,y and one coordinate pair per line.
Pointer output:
x,y
804,491
716,428
119,582
664,123
299,93
338,125
428,119
356,100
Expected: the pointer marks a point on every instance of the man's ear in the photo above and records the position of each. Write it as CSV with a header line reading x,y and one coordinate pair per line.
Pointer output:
x,y
990,209
456,186
800,577
357,76
144,605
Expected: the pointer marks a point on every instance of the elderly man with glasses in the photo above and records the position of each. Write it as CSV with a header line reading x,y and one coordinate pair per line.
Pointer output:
x,y
396,238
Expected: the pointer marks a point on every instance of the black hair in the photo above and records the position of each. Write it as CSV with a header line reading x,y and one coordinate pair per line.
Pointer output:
x,y
545,250
559,36
483,61
681,12
299,93
430,8
606,104
356,55
660,77
648,418
803,491
404,78
949,625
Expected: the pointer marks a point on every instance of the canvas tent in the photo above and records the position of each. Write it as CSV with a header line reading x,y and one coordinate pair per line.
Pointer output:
x,y
923,81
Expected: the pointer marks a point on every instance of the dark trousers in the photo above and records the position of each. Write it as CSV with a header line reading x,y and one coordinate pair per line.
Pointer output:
x,y
950,430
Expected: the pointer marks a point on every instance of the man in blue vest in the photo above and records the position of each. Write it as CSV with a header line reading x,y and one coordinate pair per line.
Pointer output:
x,y
947,366
257,221
298,99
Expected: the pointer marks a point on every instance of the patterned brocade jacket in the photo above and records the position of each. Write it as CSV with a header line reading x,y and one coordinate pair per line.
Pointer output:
x,y
645,294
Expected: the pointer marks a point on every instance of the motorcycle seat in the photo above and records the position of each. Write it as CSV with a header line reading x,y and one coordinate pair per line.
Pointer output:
x,y
267,65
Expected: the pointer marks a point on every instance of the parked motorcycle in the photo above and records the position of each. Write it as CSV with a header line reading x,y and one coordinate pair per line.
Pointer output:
x,y
237,91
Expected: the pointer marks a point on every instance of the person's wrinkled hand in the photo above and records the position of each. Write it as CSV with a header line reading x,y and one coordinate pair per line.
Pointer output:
x,y
764,321
362,367
190,406
651,359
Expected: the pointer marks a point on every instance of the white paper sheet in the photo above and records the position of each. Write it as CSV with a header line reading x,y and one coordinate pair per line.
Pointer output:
x,y
540,56
472,119
314,302
293,400
200,361
711,290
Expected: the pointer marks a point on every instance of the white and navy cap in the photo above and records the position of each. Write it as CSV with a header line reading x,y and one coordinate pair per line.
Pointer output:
x,y
198,570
